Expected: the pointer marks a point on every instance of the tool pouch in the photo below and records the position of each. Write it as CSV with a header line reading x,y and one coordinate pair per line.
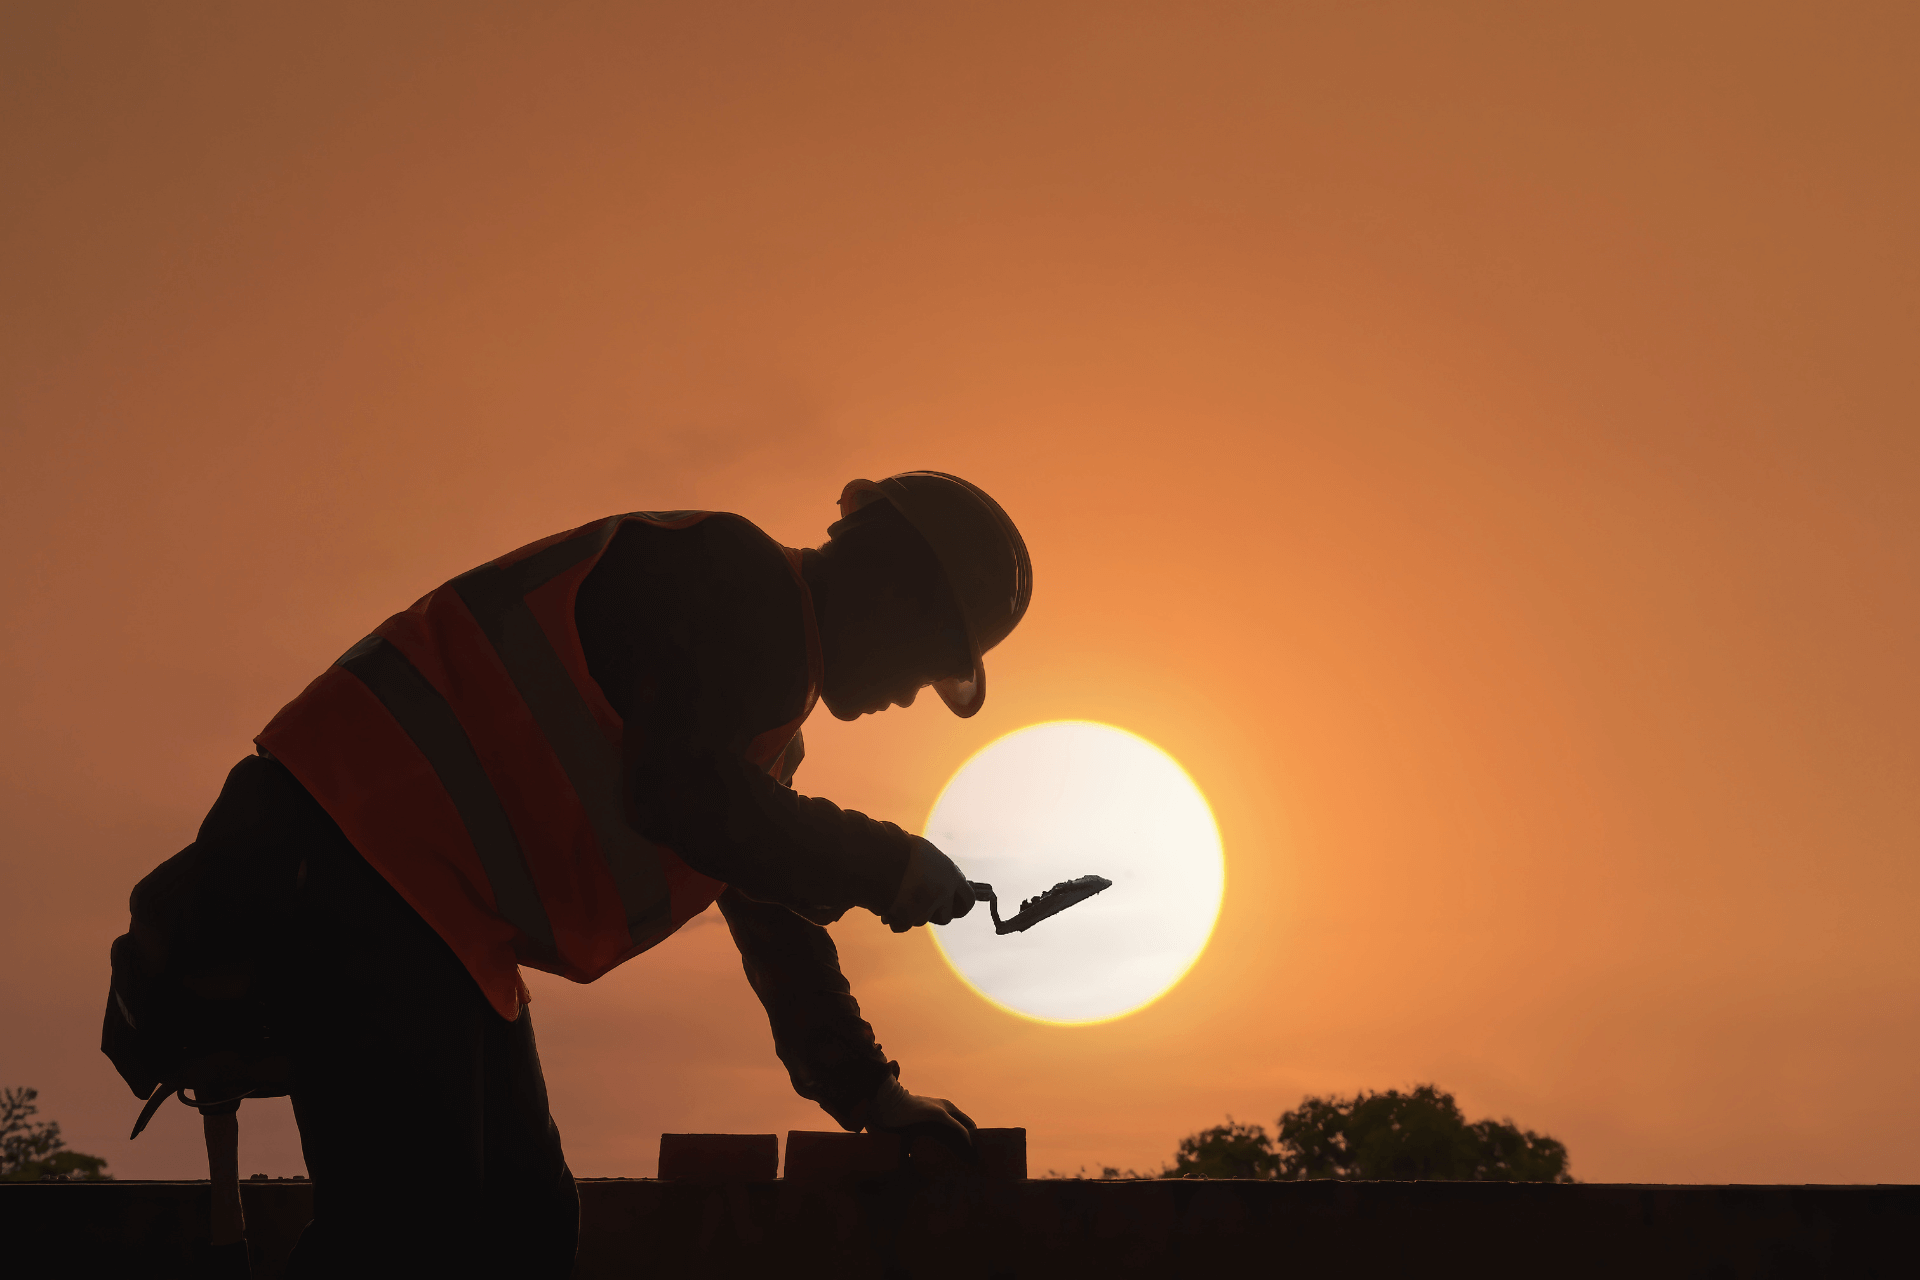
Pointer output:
x,y
192,1009
196,1005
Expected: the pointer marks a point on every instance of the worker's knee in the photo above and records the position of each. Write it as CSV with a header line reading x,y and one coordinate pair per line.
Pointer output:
x,y
546,1236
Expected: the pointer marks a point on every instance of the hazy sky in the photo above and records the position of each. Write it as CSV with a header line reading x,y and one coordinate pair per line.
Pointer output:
x,y
1479,442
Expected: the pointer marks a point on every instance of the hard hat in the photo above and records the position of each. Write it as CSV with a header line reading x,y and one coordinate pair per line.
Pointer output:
x,y
980,551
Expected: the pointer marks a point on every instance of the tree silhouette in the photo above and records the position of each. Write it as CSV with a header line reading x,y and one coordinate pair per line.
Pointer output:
x,y
33,1151
1227,1150
1391,1136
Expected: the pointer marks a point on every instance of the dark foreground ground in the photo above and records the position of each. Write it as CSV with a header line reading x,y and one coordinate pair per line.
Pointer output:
x,y
910,1225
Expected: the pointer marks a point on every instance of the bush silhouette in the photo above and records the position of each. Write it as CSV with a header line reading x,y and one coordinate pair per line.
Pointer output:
x,y
1415,1136
33,1151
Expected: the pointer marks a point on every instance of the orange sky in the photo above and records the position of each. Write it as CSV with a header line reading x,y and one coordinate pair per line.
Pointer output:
x,y
1482,447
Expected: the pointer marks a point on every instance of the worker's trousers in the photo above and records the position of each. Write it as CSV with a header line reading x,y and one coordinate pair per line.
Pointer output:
x,y
423,1114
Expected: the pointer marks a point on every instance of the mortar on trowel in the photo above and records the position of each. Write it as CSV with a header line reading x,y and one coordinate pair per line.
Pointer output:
x,y
1051,903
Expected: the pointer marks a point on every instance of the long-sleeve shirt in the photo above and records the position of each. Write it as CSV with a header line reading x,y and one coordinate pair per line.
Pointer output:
x,y
696,637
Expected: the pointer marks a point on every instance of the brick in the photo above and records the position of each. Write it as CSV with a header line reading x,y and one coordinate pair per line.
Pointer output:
x,y
829,1155
719,1157
1002,1152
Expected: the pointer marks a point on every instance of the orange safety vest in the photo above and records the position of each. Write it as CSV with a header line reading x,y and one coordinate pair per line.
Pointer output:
x,y
471,759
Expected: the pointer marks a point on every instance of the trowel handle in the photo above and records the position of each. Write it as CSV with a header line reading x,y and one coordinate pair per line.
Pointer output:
x,y
984,893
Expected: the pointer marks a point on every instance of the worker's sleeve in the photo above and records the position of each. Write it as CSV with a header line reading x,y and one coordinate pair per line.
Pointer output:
x,y
696,636
828,1048
733,822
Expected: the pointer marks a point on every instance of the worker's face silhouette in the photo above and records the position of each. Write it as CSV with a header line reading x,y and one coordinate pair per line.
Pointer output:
x,y
889,626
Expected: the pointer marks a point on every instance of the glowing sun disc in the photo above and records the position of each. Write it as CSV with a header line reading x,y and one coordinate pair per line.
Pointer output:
x,y
1072,798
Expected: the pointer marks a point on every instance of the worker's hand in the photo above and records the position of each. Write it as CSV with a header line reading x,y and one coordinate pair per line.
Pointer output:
x,y
894,1110
931,892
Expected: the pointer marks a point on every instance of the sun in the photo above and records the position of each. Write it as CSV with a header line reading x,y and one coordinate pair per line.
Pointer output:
x,y
1070,798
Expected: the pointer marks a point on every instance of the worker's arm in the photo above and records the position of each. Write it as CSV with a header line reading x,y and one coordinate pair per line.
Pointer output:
x,y
696,637
731,821
828,1048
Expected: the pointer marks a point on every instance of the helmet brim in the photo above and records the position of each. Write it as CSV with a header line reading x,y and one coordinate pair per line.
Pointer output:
x,y
964,697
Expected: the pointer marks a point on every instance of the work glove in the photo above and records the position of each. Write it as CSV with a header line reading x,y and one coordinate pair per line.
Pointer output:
x,y
894,1110
931,892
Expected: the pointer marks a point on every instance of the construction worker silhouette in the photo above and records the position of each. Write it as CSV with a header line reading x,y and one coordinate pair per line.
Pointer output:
x,y
554,760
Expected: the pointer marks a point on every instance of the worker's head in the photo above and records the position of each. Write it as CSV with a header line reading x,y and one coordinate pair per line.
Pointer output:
x,y
921,575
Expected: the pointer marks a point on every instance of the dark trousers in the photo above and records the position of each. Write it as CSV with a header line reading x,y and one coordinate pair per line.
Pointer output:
x,y
423,1114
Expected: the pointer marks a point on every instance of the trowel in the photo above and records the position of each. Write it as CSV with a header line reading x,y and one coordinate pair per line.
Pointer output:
x,y
1034,910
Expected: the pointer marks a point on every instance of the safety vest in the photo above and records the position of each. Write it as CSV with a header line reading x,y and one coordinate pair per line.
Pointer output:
x,y
472,760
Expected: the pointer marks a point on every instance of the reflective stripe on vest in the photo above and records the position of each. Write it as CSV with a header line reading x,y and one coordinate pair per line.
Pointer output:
x,y
468,754
427,719
496,596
